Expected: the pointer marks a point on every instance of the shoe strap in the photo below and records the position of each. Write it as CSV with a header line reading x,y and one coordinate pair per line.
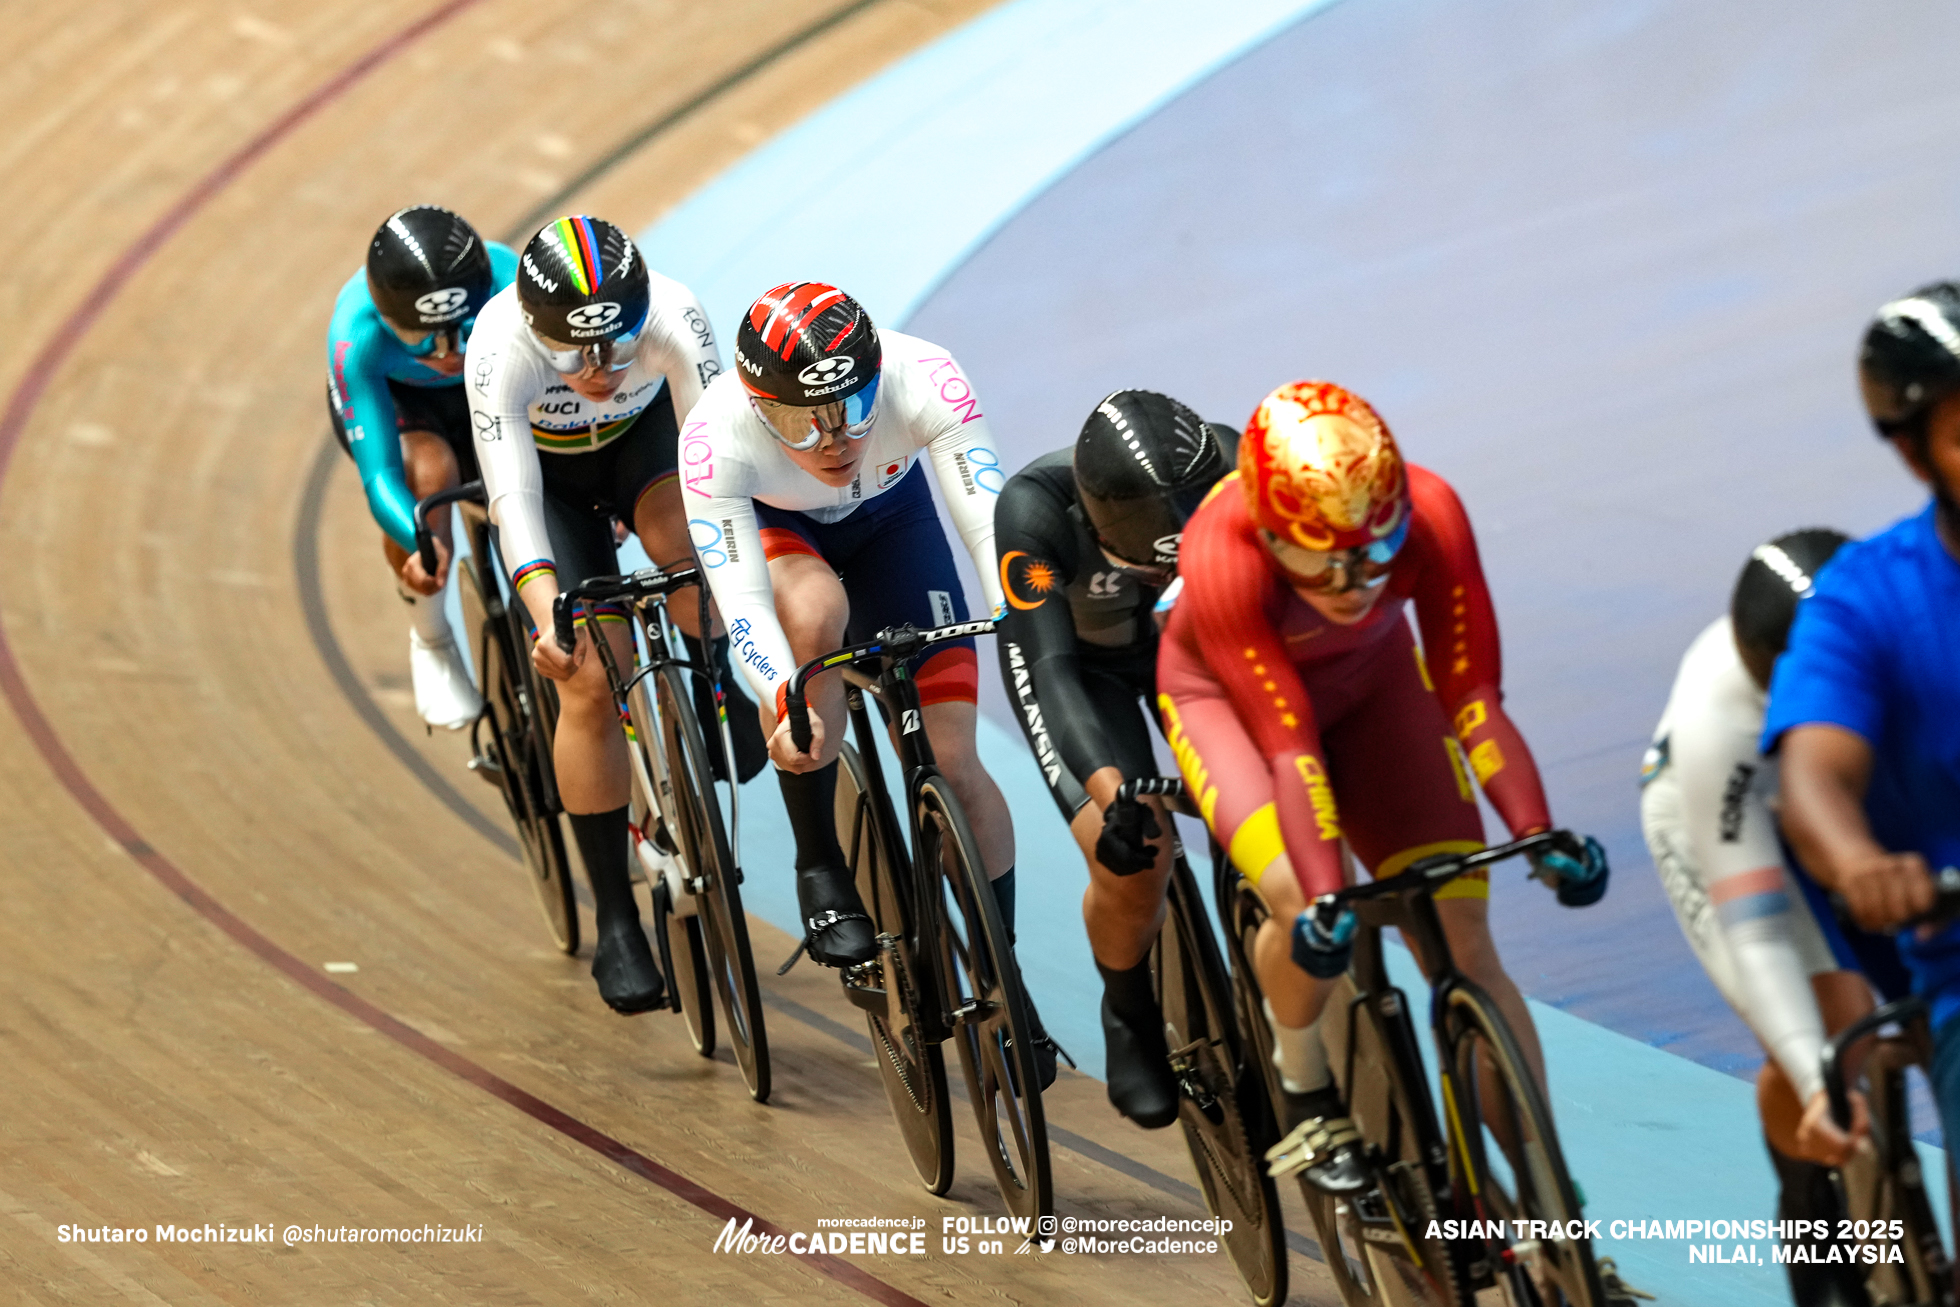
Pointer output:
x,y
830,917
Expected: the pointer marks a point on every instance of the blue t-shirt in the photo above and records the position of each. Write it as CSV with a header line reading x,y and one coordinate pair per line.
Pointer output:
x,y
363,355
1876,650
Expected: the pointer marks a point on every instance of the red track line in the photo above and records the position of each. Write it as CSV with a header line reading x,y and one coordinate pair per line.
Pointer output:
x,y
20,407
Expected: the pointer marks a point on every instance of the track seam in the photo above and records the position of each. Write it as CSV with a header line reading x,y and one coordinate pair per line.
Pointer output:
x,y
34,722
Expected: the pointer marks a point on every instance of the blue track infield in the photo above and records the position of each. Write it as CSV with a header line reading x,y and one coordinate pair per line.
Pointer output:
x,y
1602,268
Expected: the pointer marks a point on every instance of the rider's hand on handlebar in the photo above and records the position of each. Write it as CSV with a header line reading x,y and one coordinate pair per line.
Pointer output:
x,y
417,579
1883,889
1818,1137
1123,846
782,749
1580,881
553,663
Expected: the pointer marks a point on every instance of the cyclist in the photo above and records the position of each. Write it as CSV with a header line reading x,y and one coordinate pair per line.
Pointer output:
x,y
1302,715
1761,929
1088,539
1865,705
578,375
812,512
395,395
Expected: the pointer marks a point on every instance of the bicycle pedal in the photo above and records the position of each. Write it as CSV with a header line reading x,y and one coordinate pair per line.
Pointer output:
x,y
486,767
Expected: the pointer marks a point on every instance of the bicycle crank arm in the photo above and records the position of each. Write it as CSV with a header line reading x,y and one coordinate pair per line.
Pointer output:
x,y
972,1010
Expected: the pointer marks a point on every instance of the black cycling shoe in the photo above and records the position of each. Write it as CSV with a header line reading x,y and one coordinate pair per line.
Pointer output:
x,y
1141,1085
1046,1051
1321,1142
834,922
629,979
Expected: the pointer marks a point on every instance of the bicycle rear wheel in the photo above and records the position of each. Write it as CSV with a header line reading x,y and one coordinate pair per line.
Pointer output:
x,y
703,842
914,1073
1507,1159
518,755
1222,1104
990,1010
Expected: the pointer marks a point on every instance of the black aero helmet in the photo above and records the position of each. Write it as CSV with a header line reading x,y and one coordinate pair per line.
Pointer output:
x,y
1776,576
1142,464
1911,357
806,343
427,269
581,282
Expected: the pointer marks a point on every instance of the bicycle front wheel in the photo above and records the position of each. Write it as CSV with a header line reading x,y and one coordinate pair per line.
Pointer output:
x,y
517,755
1506,1156
1218,1093
989,1007
703,842
913,1072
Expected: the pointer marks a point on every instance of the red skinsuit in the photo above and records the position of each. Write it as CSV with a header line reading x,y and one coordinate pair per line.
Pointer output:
x,y
1295,732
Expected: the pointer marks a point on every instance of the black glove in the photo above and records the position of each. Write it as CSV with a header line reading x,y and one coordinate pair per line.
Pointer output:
x,y
1123,847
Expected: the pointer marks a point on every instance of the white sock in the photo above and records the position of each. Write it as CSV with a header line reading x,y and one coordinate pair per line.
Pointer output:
x,y
1299,1055
427,620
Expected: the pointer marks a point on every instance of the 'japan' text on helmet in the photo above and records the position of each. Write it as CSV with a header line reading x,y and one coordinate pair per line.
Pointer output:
x,y
427,268
1911,357
805,343
1142,464
1321,471
581,281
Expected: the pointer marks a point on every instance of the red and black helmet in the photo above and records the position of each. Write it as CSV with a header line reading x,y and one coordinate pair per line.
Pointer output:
x,y
806,343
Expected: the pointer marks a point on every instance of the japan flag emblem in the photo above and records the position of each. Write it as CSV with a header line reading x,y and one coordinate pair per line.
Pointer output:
x,y
892,471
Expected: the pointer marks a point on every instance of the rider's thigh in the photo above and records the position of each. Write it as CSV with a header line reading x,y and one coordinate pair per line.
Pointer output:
x,y
428,462
810,604
661,523
1466,924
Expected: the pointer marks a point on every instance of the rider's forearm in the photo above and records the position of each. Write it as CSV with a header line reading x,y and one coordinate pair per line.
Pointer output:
x,y
1825,773
1501,761
538,587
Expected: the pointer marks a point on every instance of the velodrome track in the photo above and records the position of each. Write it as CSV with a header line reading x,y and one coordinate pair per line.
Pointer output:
x,y
205,811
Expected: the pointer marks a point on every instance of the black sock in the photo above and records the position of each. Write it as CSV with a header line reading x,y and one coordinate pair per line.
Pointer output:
x,y
1131,996
601,838
1004,900
811,799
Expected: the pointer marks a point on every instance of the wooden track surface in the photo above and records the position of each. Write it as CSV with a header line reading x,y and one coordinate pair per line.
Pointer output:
x,y
198,815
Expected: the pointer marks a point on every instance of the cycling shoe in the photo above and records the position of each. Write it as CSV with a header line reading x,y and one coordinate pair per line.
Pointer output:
x,y
444,693
1141,1085
834,921
622,962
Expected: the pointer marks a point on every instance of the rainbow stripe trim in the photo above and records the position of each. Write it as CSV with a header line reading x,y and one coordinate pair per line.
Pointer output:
x,y
580,241
584,438
531,571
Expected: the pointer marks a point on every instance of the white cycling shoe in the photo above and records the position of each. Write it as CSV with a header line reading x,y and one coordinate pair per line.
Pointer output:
x,y
444,694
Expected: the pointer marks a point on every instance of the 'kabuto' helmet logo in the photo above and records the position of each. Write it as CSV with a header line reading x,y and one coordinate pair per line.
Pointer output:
x,y
826,372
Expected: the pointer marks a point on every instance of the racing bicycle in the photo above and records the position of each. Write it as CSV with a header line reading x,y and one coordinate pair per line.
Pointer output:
x,y
1500,1158
1222,1104
945,967
693,872
510,742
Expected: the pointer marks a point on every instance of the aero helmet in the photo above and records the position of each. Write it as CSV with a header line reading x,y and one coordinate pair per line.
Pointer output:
x,y
1776,576
1142,464
805,343
427,270
1321,472
1911,357
582,284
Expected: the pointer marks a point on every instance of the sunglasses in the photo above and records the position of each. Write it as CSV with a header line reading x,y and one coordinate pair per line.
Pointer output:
x,y
615,355
1339,570
853,417
440,342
